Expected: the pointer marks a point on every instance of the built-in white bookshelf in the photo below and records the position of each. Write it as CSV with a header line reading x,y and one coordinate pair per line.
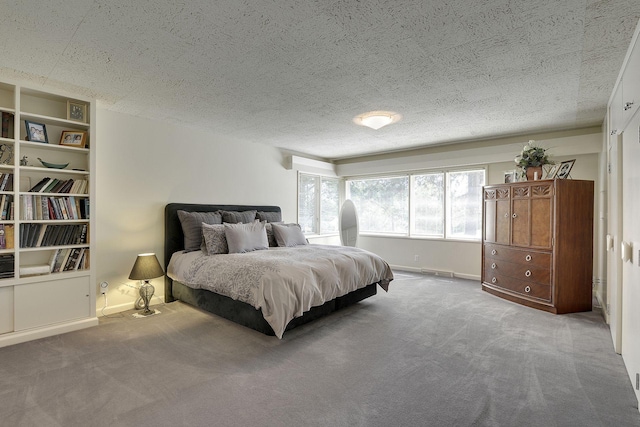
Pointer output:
x,y
47,166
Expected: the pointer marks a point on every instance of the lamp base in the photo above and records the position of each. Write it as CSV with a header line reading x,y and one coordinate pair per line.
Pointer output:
x,y
142,314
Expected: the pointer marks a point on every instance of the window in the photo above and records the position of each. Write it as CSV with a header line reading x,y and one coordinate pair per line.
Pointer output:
x,y
444,204
318,204
464,204
427,205
382,204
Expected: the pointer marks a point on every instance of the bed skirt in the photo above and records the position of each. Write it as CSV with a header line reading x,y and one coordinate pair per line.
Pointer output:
x,y
246,315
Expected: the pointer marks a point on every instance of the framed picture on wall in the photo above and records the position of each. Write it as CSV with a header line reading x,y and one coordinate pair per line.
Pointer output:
x,y
564,169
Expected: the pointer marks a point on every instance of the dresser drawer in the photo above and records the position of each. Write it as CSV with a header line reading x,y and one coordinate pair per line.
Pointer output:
x,y
523,256
530,289
528,272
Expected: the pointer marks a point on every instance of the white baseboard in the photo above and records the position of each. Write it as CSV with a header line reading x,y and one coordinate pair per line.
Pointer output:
x,y
436,272
12,338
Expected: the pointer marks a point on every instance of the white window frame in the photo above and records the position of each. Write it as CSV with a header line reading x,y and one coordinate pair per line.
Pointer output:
x,y
446,201
318,202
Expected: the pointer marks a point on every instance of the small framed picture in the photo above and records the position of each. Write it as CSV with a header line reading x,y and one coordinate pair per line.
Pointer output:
x,y
552,171
564,169
73,138
509,176
36,132
76,111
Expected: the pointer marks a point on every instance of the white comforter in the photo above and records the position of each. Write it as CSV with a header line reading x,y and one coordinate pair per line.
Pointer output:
x,y
283,282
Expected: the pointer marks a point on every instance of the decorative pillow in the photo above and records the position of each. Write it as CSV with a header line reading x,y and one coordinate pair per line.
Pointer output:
x,y
288,235
246,237
244,217
269,216
270,237
215,240
192,227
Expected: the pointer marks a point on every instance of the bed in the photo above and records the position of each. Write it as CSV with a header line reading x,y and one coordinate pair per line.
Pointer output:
x,y
357,275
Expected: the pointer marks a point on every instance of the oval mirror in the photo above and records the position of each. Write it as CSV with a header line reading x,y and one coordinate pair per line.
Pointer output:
x,y
348,224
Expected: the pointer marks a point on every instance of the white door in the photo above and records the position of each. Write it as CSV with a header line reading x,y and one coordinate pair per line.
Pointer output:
x,y
631,236
614,262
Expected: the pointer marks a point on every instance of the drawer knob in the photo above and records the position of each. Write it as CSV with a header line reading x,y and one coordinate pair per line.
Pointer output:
x,y
527,258
493,252
506,215
527,289
514,215
494,280
527,273
493,265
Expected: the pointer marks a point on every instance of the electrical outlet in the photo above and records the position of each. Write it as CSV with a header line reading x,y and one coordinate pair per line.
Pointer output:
x,y
416,258
104,287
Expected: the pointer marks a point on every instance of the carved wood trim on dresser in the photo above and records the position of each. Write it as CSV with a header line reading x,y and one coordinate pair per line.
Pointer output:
x,y
538,243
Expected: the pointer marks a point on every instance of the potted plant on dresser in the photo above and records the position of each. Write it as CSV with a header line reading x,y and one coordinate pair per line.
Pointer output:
x,y
531,160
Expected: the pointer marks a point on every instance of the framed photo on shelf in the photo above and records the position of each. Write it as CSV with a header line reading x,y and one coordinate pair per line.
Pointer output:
x,y
552,171
76,111
36,132
510,176
73,138
564,169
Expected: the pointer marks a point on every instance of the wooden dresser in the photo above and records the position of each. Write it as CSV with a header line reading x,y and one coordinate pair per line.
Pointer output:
x,y
538,243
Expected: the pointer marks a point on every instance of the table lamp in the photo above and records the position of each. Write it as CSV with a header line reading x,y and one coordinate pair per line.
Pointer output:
x,y
146,268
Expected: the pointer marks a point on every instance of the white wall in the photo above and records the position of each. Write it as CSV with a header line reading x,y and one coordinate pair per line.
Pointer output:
x,y
142,165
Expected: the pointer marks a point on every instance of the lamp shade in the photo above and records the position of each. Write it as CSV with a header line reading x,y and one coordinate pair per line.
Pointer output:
x,y
146,267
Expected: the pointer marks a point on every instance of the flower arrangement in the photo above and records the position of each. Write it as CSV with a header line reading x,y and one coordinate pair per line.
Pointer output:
x,y
532,155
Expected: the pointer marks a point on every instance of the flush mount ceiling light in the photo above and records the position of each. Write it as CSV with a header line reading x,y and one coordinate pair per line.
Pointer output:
x,y
377,119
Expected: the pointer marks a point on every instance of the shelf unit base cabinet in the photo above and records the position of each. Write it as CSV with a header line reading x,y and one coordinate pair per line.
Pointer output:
x,y
538,244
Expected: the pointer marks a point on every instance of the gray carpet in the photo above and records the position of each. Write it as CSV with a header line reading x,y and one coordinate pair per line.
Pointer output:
x,y
432,352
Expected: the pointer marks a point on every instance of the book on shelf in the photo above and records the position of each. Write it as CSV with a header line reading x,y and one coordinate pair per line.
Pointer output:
x,y
9,234
6,236
7,125
7,267
6,181
36,188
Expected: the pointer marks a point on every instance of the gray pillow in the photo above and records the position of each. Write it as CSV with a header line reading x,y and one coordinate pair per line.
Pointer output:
x,y
269,216
246,237
288,235
233,217
270,237
215,240
192,227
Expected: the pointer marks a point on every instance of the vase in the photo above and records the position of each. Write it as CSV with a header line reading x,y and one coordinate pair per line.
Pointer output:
x,y
531,173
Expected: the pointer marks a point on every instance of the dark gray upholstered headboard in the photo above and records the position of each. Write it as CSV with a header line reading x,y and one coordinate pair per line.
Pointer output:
x,y
173,237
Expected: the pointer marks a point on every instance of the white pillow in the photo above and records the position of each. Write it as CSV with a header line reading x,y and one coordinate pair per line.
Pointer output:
x,y
246,237
288,234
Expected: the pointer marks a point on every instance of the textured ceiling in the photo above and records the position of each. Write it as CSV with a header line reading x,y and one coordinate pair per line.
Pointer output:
x,y
293,74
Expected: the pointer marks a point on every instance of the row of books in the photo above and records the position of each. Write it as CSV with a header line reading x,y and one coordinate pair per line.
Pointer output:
x,y
55,185
69,259
6,236
7,125
6,266
6,207
37,235
6,181
46,208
